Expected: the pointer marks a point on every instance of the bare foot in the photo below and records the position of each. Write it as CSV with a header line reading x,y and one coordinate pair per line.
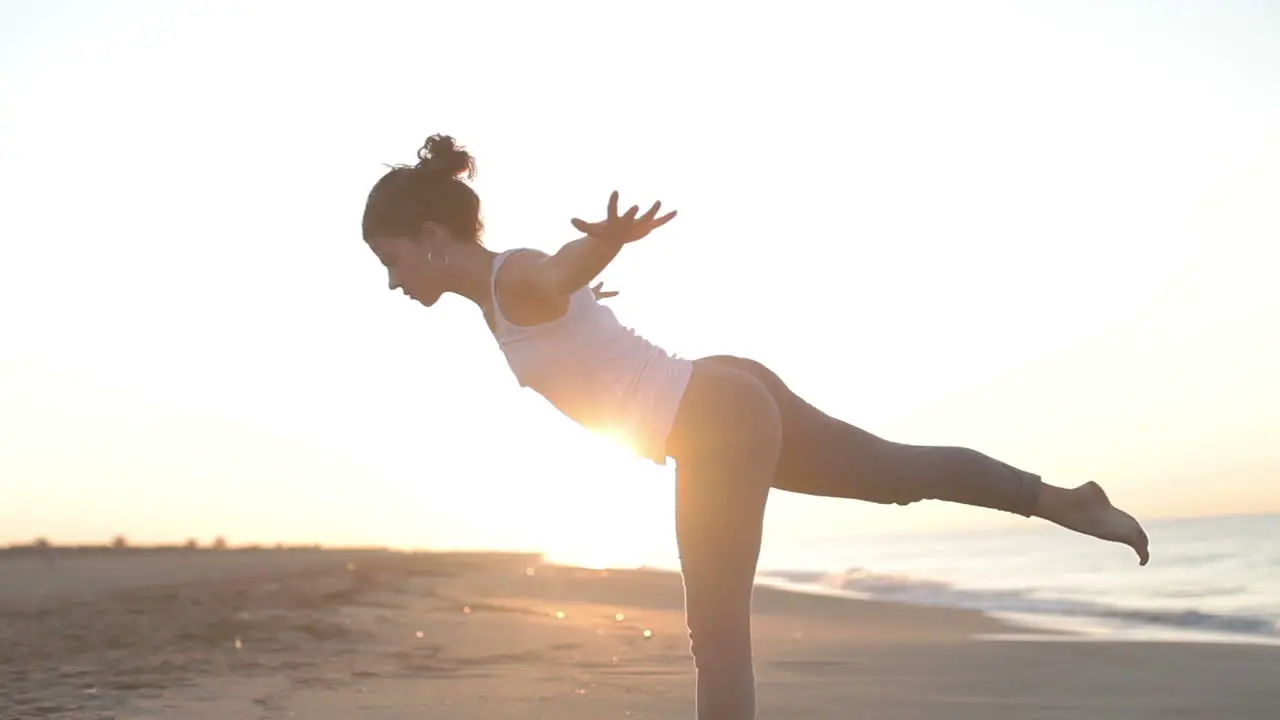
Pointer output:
x,y
1086,509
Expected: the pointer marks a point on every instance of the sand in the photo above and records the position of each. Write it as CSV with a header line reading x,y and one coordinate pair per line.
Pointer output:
x,y
333,634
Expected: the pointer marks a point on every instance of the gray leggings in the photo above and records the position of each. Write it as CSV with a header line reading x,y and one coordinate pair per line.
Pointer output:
x,y
740,432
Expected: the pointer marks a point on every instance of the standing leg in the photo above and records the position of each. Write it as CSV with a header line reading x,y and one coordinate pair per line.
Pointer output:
x,y
726,443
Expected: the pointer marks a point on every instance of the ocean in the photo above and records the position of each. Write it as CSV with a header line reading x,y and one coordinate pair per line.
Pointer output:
x,y
1210,579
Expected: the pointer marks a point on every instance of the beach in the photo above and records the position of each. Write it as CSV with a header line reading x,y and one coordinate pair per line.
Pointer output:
x,y
385,635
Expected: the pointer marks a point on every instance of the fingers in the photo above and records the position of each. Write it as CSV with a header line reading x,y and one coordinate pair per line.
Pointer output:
x,y
648,216
663,220
614,224
602,294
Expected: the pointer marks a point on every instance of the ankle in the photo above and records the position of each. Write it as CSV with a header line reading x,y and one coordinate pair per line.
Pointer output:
x,y
1052,502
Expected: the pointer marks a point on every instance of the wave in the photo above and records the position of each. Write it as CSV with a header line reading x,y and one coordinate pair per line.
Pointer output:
x,y
922,591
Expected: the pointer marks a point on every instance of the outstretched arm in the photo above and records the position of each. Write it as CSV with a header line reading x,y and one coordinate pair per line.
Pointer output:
x,y
576,264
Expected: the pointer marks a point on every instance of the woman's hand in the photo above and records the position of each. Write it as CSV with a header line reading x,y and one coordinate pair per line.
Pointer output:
x,y
620,230
577,264
602,294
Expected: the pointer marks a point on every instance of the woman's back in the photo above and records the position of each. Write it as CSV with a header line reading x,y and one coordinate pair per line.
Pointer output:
x,y
594,369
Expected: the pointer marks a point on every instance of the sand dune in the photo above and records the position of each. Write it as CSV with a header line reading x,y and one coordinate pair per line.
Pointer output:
x,y
312,634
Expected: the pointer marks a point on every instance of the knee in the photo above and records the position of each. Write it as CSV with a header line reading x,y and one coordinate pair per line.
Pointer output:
x,y
922,473
896,475
717,611
720,643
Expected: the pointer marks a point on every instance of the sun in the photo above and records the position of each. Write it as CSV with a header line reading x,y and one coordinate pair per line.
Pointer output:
x,y
576,496
614,511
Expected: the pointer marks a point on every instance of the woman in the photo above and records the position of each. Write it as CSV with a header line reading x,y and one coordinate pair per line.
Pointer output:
x,y
732,427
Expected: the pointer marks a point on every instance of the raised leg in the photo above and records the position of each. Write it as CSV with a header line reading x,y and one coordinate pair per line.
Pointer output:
x,y
824,456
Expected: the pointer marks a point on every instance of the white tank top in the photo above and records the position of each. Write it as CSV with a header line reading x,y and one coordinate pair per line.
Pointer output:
x,y
596,371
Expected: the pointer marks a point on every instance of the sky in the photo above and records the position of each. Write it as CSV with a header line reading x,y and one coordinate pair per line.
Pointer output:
x,y
1047,231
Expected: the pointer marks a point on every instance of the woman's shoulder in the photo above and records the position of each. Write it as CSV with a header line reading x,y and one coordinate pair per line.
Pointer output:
x,y
516,301
515,259
523,254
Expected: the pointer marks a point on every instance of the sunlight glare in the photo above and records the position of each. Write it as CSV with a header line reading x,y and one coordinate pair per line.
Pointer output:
x,y
607,513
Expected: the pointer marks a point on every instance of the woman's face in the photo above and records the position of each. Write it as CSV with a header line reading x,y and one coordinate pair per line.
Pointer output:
x,y
410,268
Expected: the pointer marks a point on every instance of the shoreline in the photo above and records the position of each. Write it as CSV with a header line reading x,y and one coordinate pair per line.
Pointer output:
x,y
210,563
213,562
1058,627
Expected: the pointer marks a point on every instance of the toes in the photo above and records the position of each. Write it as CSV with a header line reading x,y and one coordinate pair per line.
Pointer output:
x,y
1140,543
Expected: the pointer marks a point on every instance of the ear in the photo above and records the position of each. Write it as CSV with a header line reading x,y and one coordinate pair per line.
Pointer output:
x,y
431,233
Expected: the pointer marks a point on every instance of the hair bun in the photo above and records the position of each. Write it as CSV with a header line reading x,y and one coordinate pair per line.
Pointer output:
x,y
442,155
